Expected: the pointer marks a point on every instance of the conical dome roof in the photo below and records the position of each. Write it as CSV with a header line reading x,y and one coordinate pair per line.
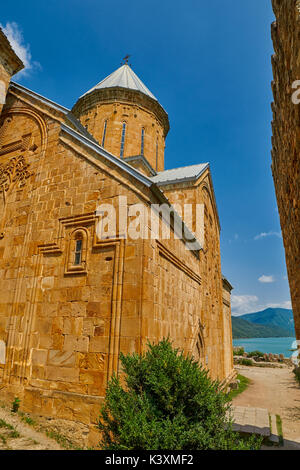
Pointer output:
x,y
123,77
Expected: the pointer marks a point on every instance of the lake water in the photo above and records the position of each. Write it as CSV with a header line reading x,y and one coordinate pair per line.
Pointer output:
x,y
268,345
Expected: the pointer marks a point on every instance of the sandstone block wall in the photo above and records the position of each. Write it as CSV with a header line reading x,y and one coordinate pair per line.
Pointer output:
x,y
228,356
286,138
211,319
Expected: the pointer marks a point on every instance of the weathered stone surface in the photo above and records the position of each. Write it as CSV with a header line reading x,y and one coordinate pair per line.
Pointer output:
x,y
286,140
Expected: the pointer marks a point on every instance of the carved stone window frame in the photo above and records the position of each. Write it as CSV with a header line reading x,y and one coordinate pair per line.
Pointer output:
x,y
58,247
79,233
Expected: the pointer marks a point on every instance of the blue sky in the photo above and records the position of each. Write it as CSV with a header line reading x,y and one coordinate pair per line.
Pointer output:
x,y
209,64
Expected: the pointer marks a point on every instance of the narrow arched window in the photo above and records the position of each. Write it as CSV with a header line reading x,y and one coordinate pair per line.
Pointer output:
x,y
78,252
104,133
156,153
123,139
142,141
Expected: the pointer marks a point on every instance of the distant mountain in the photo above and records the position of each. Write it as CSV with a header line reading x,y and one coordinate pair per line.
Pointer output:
x,y
245,329
281,317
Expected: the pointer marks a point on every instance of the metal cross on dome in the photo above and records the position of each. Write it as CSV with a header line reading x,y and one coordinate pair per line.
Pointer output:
x,y
125,59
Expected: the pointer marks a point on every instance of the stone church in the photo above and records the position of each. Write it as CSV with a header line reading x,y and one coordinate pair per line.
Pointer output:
x,y
72,300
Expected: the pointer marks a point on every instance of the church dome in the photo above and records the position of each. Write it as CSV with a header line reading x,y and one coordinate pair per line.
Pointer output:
x,y
125,117
123,77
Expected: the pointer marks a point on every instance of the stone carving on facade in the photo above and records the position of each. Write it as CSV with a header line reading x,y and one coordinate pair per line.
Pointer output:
x,y
12,174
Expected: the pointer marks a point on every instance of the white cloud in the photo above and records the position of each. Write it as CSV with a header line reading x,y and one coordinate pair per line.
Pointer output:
x,y
266,279
243,304
16,39
286,304
267,234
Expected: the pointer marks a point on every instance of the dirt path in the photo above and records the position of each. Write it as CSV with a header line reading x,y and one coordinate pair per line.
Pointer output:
x,y
17,435
278,391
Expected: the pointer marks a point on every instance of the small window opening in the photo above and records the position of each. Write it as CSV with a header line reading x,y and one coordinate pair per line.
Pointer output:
x,y
123,139
78,252
142,141
104,133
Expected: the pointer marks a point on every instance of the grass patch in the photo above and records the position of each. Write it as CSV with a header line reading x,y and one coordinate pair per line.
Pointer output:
x,y
244,383
244,361
62,440
279,429
4,424
26,419
13,433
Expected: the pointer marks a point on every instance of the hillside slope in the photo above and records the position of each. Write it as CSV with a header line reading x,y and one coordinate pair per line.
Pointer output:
x,y
273,316
245,329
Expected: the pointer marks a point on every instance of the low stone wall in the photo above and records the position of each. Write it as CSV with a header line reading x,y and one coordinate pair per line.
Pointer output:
x,y
73,415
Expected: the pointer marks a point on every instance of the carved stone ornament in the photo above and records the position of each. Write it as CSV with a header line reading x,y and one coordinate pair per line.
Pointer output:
x,y
12,174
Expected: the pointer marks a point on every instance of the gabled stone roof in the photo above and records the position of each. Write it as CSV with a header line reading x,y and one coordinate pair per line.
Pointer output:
x,y
180,175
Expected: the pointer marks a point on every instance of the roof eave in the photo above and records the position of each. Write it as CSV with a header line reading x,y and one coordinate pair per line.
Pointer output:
x,y
15,61
227,283
187,179
165,119
190,239
66,113
41,98
109,156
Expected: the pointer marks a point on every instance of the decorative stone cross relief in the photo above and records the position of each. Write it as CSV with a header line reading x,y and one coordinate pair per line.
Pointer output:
x,y
12,174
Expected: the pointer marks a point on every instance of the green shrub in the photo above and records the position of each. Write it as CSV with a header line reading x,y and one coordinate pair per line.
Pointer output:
x,y
255,353
16,405
238,351
245,362
297,373
167,401
244,382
